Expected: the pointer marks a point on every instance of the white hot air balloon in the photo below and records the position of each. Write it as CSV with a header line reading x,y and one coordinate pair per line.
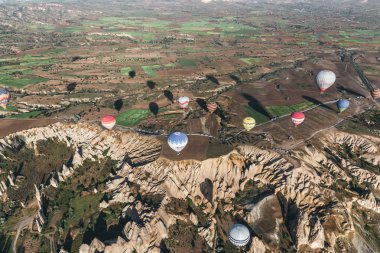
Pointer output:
x,y
183,102
239,235
177,141
325,79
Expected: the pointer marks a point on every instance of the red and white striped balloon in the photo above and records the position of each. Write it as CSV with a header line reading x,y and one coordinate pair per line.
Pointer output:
x,y
375,93
183,102
325,79
297,118
108,121
211,107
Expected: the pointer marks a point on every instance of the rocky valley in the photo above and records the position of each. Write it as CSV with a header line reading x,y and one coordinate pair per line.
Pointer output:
x,y
320,197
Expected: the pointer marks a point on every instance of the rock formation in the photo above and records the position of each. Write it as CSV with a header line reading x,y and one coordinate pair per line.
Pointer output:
x,y
313,208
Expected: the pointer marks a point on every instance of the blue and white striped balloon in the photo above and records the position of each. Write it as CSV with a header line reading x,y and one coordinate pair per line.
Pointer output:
x,y
343,104
177,141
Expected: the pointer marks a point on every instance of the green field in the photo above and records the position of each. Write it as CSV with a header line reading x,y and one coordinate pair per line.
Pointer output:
x,y
43,27
74,29
146,36
251,61
258,116
280,110
14,70
8,108
29,60
224,26
170,65
187,63
123,22
170,116
132,117
117,24
150,70
125,71
26,115
20,82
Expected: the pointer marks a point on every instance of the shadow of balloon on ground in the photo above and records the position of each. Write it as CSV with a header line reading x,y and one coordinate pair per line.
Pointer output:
x,y
256,105
103,232
151,84
348,90
154,108
202,103
207,188
317,102
169,95
118,104
132,74
235,78
71,86
213,79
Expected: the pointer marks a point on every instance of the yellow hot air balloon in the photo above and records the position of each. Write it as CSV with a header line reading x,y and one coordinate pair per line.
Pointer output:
x,y
249,123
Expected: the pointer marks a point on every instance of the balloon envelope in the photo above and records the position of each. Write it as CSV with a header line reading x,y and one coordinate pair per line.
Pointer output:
x,y
343,104
183,102
108,121
4,97
177,141
297,118
211,107
249,123
375,93
239,235
325,79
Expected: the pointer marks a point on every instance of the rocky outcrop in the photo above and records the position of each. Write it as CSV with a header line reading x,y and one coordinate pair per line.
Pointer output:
x,y
299,185
303,181
369,201
92,142
257,246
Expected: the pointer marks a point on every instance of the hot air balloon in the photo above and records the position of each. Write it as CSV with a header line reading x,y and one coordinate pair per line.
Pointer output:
x,y
343,104
297,118
108,121
239,235
183,102
375,93
177,141
211,107
249,123
325,79
4,97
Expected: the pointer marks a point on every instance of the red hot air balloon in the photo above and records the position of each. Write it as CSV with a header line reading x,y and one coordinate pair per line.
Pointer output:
x,y
108,121
211,107
297,118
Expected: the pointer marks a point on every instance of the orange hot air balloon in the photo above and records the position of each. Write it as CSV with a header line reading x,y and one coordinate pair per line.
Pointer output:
x,y
297,118
108,121
211,107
